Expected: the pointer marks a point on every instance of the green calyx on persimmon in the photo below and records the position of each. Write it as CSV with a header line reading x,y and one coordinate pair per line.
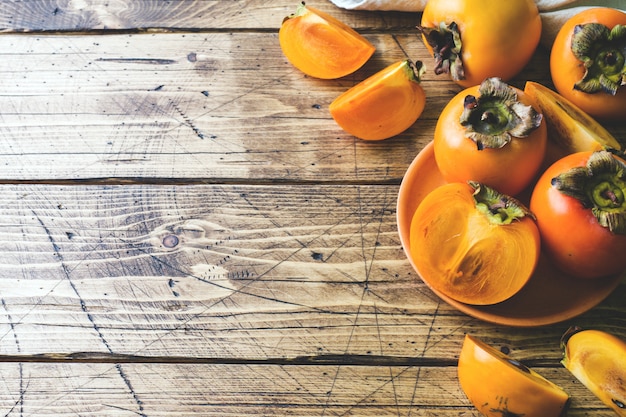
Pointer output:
x,y
601,186
493,118
603,54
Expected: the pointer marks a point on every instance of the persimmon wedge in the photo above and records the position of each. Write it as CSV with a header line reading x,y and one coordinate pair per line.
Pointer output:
x,y
383,105
322,46
570,129
473,244
598,360
500,386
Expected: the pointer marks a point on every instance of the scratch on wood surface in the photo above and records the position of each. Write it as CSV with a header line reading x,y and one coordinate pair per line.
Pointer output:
x,y
188,121
22,387
151,61
368,260
85,309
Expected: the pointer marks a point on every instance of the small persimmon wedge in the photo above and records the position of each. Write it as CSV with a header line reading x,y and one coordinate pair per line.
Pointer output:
x,y
383,105
322,46
474,244
570,129
598,360
498,385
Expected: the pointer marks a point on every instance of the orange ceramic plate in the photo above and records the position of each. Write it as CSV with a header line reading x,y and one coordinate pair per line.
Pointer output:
x,y
549,297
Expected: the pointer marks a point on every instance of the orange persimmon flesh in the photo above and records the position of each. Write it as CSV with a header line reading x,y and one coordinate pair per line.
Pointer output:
x,y
322,46
383,105
500,386
463,251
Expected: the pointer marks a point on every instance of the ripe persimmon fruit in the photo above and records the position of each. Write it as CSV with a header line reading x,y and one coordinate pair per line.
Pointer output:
x,y
588,62
383,105
322,46
500,386
476,39
473,244
491,133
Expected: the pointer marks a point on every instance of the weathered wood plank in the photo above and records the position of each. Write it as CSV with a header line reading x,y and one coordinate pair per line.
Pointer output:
x,y
67,15
217,107
129,389
198,106
229,272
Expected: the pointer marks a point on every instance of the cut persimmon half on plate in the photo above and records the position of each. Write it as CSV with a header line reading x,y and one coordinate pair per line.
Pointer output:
x,y
498,385
478,246
383,105
322,46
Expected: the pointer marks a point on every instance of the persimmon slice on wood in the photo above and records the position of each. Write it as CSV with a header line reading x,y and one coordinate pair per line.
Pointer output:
x,y
322,46
383,105
474,244
499,385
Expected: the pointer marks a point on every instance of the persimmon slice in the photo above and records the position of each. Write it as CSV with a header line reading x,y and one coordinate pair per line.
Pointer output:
x,y
383,105
473,244
500,386
322,46
598,360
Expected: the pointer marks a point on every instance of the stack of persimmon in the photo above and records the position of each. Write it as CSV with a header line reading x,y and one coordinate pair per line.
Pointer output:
x,y
496,136
475,238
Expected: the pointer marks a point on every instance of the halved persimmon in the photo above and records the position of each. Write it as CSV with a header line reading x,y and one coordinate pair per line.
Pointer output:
x,y
322,46
383,105
473,244
500,386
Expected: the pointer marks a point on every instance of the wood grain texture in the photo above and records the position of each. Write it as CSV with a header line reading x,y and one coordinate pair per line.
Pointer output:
x,y
186,106
229,272
195,15
185,231
194,107
132,389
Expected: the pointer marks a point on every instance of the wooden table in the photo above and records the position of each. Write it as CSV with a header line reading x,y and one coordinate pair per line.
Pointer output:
x,y
186,231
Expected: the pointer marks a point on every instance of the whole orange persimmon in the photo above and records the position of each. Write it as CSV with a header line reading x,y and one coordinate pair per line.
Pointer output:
x,y
491,134
477,39
580,205
588,62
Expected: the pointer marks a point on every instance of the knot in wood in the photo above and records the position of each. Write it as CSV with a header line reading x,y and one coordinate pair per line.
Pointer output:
x,y
170,241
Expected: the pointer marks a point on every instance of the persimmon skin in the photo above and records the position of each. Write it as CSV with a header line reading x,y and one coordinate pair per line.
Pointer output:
x,y
499,386
570,234
498,37
381,106
463,255
566,69
322,46
509,169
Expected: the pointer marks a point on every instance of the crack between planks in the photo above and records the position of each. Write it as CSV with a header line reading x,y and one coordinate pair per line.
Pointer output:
x,y
104,181
312,360
306,360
